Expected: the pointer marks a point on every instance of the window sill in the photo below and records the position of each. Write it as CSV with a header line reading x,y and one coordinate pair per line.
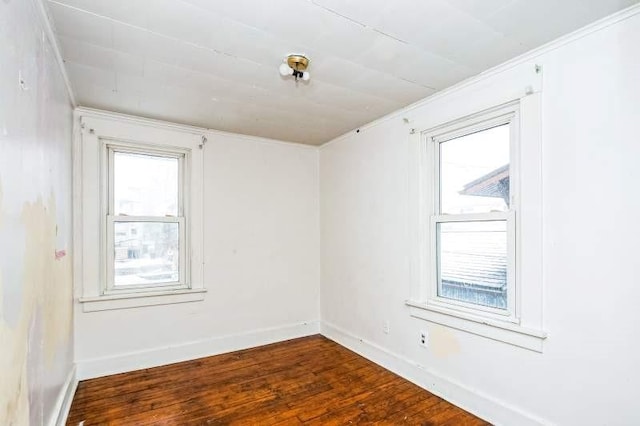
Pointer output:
x,y
135,300
510,333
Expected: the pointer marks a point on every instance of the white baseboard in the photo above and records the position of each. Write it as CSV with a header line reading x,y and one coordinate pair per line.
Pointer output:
x,y
63,403
481,405
121,363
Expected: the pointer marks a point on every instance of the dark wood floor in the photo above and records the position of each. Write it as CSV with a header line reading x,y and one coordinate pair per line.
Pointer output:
x,y
303,381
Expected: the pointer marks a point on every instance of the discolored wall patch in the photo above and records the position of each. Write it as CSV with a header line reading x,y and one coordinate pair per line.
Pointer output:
x,y
443,341
46,299
36,340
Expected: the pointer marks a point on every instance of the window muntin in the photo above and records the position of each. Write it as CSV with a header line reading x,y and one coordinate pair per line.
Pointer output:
x,y
473,217
146,219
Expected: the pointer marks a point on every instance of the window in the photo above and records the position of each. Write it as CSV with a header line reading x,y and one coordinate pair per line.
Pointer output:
x,y
146,219
477,262
139,213
473,215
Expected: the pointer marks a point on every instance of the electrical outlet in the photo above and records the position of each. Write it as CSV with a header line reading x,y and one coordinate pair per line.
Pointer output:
x,y
385,327
424,338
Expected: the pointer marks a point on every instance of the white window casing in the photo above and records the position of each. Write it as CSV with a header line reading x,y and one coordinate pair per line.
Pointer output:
x,y
98,139
520,324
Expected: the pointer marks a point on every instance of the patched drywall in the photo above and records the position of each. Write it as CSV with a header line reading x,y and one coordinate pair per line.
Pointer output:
x,y
443,341
35,220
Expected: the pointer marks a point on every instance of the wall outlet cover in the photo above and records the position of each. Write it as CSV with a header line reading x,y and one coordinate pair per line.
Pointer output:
x,y
424,338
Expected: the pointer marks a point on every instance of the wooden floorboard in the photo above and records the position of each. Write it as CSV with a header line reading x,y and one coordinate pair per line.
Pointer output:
x,y
308,381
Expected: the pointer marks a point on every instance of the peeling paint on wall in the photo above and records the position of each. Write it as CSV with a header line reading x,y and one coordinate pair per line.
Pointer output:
x,y
46,304
46,276
14,409
36,337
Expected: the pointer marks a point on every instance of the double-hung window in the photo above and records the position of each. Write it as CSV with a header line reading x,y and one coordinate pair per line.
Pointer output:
x,y
140,212
477,258
473,215
146,225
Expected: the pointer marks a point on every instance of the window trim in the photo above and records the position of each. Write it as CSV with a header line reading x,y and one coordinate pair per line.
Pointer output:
x,y
138,299
527,332
91,197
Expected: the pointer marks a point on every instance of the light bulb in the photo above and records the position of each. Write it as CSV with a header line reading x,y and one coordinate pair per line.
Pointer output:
x,y
285,70
306,76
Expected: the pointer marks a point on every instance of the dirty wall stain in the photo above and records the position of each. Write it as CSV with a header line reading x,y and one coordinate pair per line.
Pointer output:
x,y
46,291
443,342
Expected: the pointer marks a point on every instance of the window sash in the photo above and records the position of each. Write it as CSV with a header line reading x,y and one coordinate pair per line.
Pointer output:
x,y
458,132
113,147
110,219
183,281
507,114
435,299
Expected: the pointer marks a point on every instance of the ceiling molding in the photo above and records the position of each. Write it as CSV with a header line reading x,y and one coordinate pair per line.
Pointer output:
x,y
49,32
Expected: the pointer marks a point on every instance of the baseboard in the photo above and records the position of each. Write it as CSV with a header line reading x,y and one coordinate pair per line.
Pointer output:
x,y
63,403
483,406
121,363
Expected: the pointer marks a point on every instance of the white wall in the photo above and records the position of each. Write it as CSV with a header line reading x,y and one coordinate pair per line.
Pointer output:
x,y
36,359
261,254
587,373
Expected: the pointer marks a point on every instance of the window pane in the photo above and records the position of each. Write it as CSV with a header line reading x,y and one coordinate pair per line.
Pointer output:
x,y
145,185
472,262
474,172
146,253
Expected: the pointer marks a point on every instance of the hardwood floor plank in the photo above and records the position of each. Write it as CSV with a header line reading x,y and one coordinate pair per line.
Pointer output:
x,y
310,381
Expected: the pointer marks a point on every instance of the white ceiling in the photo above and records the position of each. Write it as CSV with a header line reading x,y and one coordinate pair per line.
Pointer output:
x,y
214,63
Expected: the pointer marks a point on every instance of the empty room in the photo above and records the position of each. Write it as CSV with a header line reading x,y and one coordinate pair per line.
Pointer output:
x,y
319,212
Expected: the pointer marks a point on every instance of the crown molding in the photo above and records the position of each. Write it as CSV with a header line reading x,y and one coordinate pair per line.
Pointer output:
x,y
49,32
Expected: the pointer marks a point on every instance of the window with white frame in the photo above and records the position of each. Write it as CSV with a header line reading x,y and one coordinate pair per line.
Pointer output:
x,y
473,212
476,210
477,261
146,218
139,212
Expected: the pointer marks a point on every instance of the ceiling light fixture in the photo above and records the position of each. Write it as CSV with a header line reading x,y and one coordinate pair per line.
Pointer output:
x,y
296,66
